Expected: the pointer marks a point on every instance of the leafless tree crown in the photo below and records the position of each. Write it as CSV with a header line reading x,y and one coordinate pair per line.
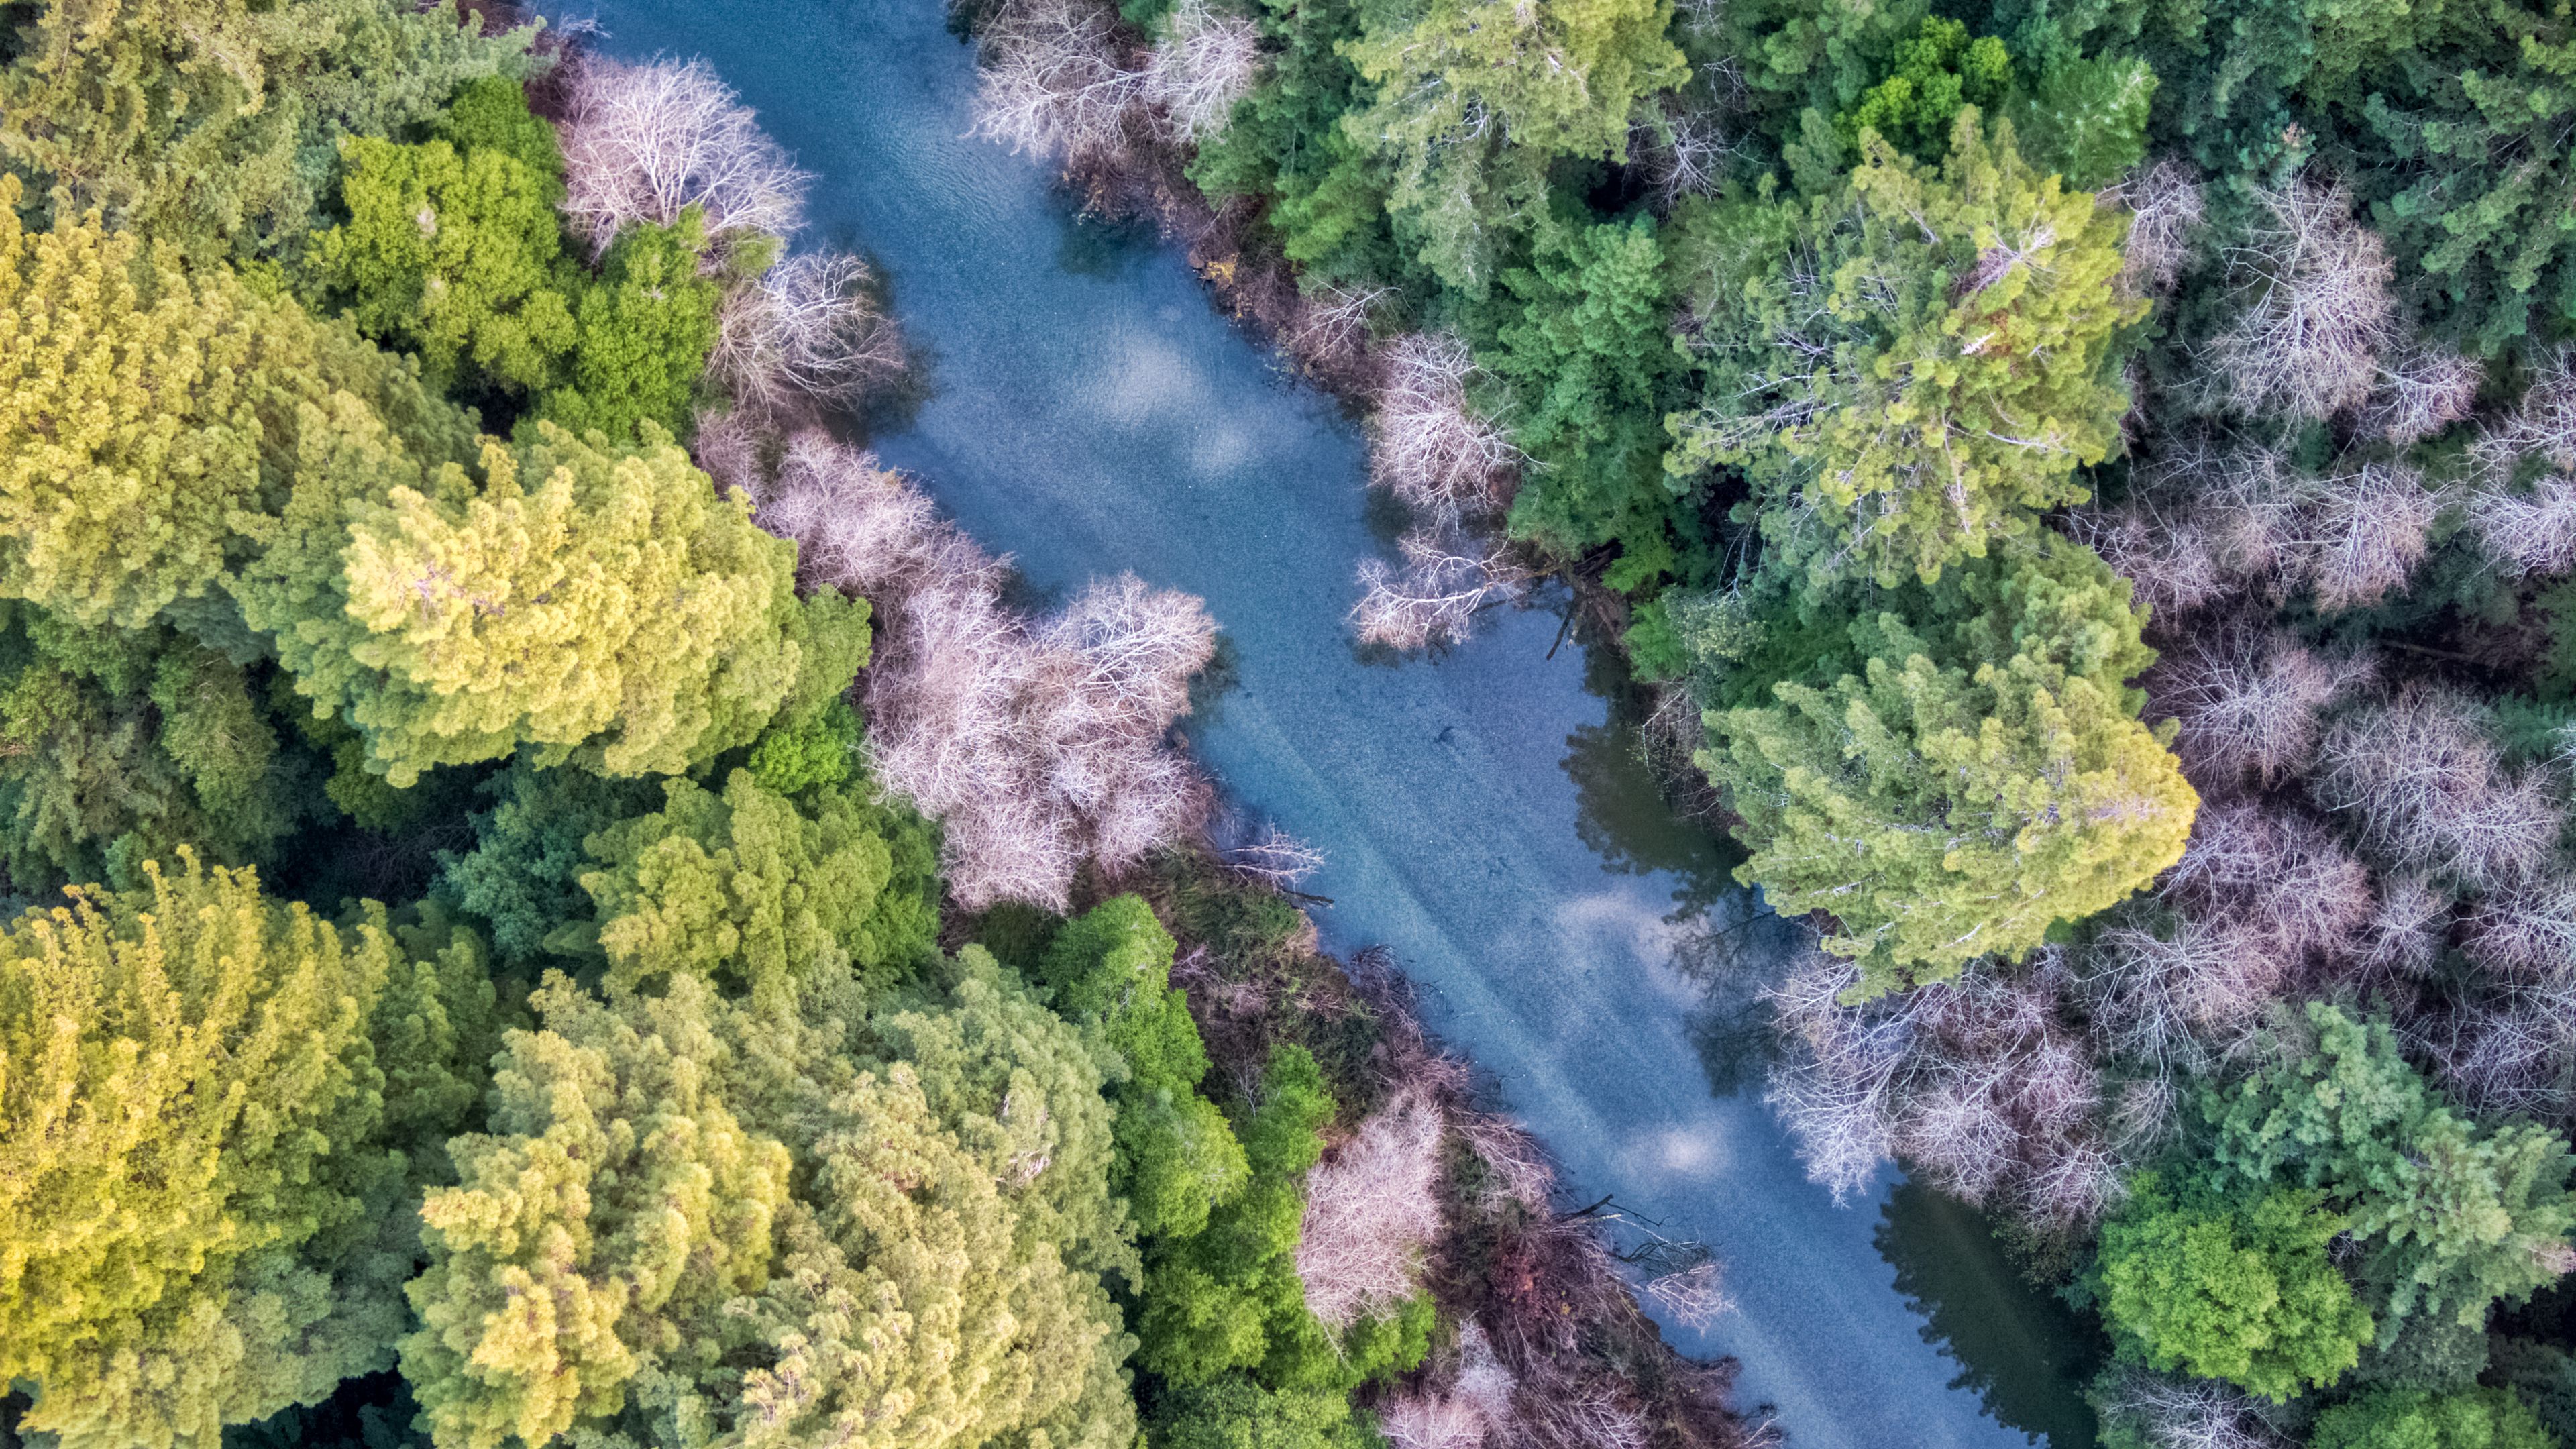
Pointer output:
x,y
1205,63
2310,284
645,142
1040,743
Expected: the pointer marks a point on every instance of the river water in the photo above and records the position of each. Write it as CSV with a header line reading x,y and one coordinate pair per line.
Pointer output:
x,y
1087,411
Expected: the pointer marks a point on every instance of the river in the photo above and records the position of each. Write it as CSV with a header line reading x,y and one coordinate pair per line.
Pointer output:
x,y
1088,411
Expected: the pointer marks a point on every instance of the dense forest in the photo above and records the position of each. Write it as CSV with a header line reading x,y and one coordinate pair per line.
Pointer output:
x,y
2090,493
553,900
557,899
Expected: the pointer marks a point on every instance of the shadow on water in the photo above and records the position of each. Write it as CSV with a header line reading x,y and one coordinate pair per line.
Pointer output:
x,y
2020,1349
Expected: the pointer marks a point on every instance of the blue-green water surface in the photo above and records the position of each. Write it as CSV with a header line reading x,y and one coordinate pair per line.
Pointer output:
x,y
1087,411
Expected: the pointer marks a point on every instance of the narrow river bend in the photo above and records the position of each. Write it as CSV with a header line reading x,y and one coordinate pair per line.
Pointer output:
x,y
1089,412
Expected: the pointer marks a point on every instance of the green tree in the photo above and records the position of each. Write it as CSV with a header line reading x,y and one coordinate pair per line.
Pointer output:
x,y
1962,771
750,890
1588,353
151,414
1228,1299
453,253
522,879
118,745
1931,76
613,611
2454,1215
1233,1412
1177,1157
2237,1289
878,1225
2420,1419
1909,371
1472,99
645,328
216,1110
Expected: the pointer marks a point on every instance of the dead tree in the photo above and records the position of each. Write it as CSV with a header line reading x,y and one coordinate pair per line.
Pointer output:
x,y
646,142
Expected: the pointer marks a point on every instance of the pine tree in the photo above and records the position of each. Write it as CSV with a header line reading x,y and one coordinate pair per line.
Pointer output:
x,y
1910,370
216,1111
611,609
877,1225
1949,788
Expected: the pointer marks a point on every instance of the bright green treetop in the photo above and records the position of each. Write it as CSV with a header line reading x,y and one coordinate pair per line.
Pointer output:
x,y
2232,1289
1913,370
2422,1419
610,609
2454,1214
1971,772
1177,1157
750,890
151,412
455,256
831,1223
215,1110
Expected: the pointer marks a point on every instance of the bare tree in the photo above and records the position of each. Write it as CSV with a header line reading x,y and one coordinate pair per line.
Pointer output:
x,y
1371,1207
2421,391
2405,935
1431,449
1694,1295
2182,997
2176,1413
1054,81
2278,870
645,142
1683,152
2310,284
1834,1084
1275,856
2527,930
1446,581
1418,1420
2165,211
2247,704
807,329
2431,792
2160,549
2529,531
2541,429
1205,63
1039,743
2367,529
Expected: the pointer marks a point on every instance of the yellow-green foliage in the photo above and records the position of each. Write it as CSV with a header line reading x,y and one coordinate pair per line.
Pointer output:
x,y
214,1111
149,412
456,255
875,1226
602,603
1913,370
750,890
212,124
1954,785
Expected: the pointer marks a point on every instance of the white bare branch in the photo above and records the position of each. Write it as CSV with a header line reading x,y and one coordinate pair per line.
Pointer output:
x,y
646,142
2311,287
1205,63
